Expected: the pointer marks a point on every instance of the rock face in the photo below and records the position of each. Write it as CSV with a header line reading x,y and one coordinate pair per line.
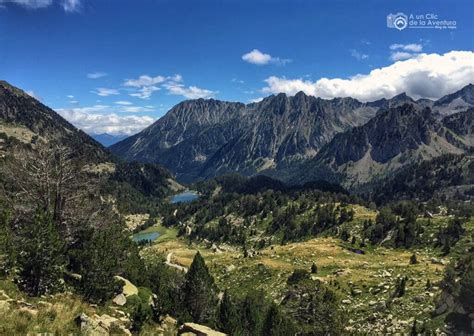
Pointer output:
x,y
198,330
201,138
204,138
456,102
394,138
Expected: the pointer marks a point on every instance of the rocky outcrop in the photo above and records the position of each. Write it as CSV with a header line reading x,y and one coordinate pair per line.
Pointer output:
x,y
194,329
102,325
128,288
393,139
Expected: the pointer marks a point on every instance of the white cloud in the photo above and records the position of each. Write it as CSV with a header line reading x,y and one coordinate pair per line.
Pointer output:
x,y
401,52
29,4
105,92
145,92
123,102
71,6
70,96
146,85
97,119
401,55
95,75
425,75
413,47
358,55
190,92
259,58
136,109
144,80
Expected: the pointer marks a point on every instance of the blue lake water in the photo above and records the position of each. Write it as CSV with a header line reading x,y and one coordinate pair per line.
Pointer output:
x,y
141,236
184,197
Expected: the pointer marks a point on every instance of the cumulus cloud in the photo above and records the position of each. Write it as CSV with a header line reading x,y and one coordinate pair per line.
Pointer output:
x,y
399,52
190,92
259,58
123,102
105,92
29,4
423,76
98,119
95,75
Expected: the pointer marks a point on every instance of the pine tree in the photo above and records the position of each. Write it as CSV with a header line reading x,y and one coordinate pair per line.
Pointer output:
x,y
200,292
101,263
276,324
228,317
252,313
345,235
40,257
7,246
466,292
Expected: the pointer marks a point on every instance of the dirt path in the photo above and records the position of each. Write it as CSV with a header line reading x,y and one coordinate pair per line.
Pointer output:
x,y
169,263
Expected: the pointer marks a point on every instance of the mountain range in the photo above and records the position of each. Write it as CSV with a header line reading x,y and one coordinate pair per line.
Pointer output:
x,y
302,138
25,123
107,139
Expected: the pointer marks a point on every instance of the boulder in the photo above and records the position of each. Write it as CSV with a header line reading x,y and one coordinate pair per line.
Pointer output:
x,y
101,325
168,323
120,300
198,330
128,288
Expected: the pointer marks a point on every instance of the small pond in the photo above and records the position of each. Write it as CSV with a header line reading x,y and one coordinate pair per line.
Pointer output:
x,y
142,236
184,197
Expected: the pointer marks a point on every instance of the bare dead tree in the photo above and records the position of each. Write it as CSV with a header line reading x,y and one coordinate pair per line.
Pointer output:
x,y
53,179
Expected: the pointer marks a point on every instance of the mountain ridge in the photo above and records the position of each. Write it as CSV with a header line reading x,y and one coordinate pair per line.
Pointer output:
x,y
202,138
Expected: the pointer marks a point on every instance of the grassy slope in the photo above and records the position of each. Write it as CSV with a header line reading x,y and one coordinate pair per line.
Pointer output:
x,y
372,275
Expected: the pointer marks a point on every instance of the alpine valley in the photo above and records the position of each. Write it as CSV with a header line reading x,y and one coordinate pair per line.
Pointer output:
x,y
295,215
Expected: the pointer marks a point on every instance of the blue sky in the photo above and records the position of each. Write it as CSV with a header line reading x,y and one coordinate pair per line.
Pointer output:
x,y
84,58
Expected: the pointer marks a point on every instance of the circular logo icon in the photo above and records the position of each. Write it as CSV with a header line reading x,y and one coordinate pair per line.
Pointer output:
x,y
400,21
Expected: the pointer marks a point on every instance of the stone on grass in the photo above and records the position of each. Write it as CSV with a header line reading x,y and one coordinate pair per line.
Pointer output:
x,y
120,300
